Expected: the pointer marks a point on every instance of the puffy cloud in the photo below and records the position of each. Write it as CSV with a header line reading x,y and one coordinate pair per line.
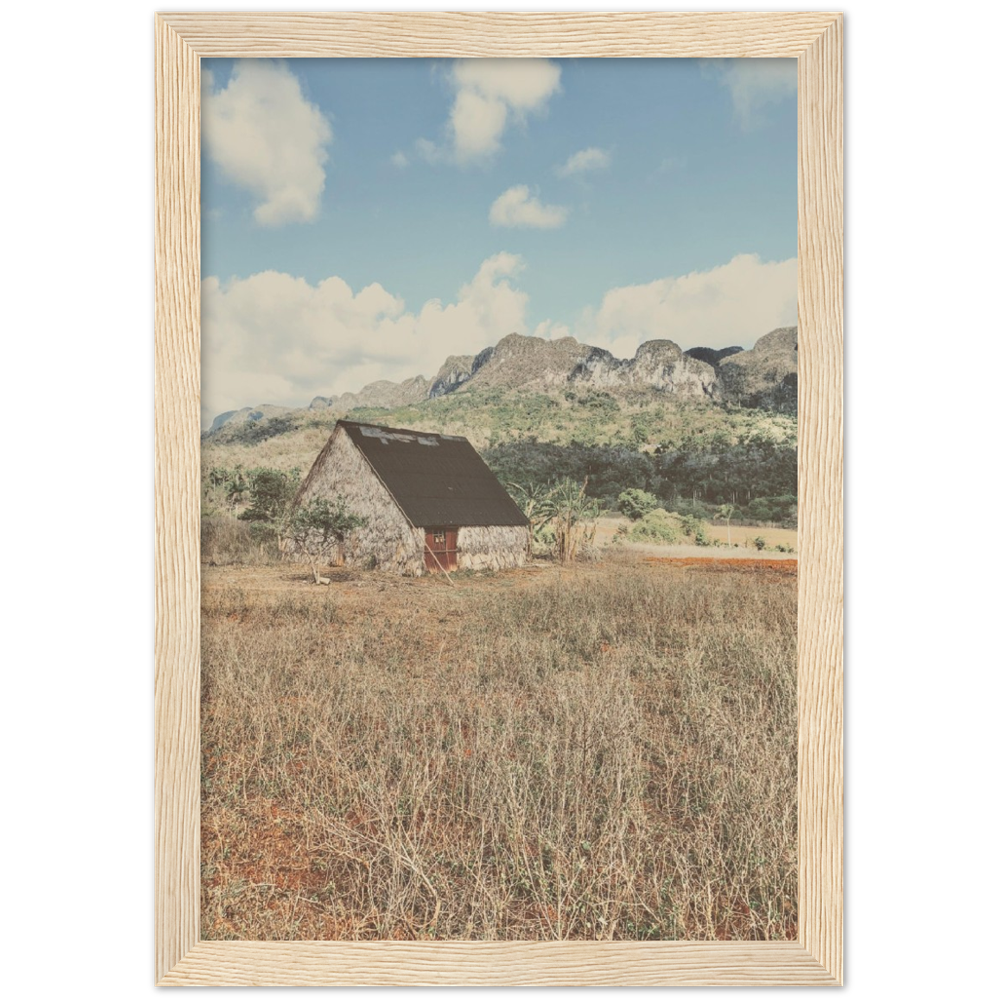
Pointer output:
x,y
584,161
488,94
550,330
516,208
477,123
400,160
524,84
755,83
267,138
729,305
274,338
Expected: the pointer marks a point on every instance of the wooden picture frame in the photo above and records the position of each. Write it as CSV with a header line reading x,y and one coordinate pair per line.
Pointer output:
x,y
815,39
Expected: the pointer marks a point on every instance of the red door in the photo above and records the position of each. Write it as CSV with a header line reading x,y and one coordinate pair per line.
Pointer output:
x,y
441,548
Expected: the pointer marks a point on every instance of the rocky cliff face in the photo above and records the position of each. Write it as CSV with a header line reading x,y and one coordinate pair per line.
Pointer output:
x,y
533,363
711,356
658,364
529,362
249,415
765,376
457,370
453,373
381,393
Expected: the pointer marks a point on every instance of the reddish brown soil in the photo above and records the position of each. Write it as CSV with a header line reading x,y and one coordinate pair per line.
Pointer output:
x,y
787,567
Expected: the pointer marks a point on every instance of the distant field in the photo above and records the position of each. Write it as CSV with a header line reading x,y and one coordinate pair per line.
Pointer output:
x,y
740,535
600,751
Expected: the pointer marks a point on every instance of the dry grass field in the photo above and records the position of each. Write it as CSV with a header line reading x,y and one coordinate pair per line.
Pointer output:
x,y
604,751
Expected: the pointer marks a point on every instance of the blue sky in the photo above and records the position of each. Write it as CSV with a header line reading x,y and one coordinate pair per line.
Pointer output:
x,y
363,219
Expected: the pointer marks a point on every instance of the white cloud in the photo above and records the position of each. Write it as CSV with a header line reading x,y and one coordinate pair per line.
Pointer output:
x,y
400,160
755,83
549,330
516,208
488,94
729,305
267,138
585,160
524,84
477,123
429,151
273,338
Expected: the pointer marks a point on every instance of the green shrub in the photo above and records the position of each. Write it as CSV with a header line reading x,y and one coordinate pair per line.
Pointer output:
x,y
772,510
657,527
265,534
690,508
635,504
255,431
258,494
694,529
270,494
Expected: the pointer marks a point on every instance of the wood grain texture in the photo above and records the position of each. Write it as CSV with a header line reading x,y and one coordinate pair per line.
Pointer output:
x,y
816,40
498,34
821,481
466,963
177,389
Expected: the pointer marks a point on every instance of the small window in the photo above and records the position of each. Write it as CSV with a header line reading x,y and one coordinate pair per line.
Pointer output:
x,y
439,538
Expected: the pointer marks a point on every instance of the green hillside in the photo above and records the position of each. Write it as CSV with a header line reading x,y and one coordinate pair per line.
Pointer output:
x,y
677,449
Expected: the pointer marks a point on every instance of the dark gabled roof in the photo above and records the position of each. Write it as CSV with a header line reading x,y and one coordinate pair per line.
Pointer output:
x,y
438,480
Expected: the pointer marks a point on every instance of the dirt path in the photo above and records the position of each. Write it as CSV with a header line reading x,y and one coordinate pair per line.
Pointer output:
x,y
785,565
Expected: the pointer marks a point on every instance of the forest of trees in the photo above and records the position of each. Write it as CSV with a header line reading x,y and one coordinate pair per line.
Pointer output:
x,y
758,477
755,476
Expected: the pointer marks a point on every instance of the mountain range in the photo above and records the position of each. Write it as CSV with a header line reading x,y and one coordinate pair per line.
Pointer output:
x,y
766,376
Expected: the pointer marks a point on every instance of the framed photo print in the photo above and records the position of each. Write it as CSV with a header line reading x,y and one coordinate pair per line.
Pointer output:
x,y
499,499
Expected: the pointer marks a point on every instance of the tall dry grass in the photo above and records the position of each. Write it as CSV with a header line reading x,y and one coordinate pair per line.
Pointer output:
x,y
604,752
226,541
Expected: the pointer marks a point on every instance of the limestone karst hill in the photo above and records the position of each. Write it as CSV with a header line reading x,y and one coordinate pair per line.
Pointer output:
x,y
764,377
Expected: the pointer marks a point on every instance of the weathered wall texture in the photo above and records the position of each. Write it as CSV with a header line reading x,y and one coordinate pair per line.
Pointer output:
x,y
494,547
387,538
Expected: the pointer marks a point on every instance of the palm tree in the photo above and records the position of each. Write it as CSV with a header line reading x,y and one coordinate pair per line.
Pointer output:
x,y
575,516
534,501
565,506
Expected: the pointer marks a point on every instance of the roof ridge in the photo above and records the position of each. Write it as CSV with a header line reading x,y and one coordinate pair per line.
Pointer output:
x,y
403,430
